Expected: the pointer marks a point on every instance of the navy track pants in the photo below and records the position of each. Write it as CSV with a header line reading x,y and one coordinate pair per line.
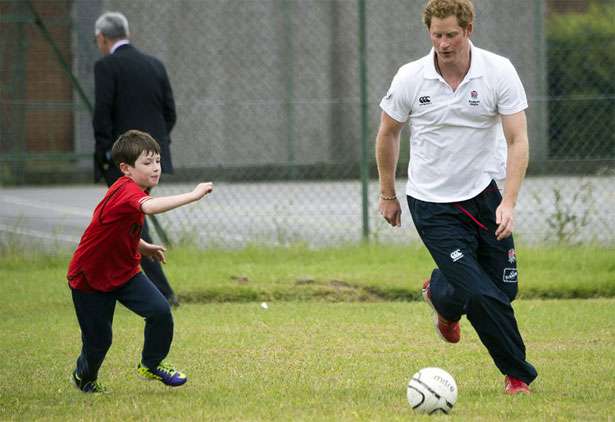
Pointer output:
x,y
95,315
476,274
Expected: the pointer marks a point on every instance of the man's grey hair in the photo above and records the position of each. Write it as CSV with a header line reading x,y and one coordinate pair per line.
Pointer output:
x,y
112,25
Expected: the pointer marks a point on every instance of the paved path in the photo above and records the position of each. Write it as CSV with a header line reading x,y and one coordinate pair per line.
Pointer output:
x,y
317,213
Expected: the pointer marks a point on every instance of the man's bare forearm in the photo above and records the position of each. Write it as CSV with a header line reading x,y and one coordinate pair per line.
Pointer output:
x,y
387,155
516,166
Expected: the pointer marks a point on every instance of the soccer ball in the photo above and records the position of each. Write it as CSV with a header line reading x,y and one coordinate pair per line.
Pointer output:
x,y
432,390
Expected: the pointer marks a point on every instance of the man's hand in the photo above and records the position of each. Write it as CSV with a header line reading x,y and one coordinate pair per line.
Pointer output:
x,y
202,189
504,217
154,251
391,211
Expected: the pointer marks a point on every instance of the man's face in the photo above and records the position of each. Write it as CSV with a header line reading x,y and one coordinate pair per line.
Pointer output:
x,y
146,172
450,41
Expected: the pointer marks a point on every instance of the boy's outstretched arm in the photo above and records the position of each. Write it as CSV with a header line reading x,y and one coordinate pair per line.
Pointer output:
x,y
166,203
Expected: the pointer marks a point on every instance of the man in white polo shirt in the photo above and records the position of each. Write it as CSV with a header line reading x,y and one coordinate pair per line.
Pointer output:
x,y
454,100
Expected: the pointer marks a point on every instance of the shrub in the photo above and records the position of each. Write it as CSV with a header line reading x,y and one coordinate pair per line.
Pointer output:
x,y
581,61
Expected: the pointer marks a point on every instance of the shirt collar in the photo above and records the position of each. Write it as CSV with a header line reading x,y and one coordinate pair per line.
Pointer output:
x,y
476,64
118,45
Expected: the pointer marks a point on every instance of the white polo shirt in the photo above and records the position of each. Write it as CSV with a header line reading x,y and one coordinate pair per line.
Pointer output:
x,y
454,142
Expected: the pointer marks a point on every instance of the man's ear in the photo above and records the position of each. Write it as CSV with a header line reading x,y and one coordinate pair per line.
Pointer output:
x,y
469,29
125,168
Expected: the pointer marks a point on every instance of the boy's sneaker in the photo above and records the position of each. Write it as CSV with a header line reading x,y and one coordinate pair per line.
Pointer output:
x,y
88,386
164,373
513,386
449,331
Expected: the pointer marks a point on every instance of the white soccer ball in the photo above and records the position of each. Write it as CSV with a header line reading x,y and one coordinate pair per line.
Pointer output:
x,y
432,390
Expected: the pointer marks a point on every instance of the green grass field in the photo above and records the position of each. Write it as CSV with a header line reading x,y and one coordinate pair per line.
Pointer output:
x,y
330,346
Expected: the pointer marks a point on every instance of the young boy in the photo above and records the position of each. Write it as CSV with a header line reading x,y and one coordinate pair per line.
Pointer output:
x,y
105,266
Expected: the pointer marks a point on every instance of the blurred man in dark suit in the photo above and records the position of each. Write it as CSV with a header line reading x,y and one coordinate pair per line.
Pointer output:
x,y
132,92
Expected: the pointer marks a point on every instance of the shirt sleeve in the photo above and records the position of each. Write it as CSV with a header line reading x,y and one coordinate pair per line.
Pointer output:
x,y
396,103
130,199
136,197
511,94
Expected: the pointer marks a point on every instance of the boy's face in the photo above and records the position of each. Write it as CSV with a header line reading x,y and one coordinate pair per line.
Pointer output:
x,y
146,172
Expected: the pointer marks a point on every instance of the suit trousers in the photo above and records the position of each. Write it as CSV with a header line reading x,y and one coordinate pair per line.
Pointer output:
x,y
95,315
476,274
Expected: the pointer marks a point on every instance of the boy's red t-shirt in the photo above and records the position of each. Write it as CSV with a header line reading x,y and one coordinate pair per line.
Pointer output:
x,y
108,254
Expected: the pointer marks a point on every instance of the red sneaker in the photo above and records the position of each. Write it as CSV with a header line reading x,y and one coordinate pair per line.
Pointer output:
x,y
449,331
513,386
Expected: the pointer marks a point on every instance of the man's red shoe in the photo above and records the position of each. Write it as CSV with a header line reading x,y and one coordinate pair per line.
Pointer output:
x,y
449,331
513,386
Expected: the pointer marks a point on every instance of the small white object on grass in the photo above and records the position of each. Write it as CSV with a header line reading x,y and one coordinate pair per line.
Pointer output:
x,y
264,305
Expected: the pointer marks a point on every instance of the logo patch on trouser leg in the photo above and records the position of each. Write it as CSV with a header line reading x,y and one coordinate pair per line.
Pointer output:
x,y
456,255
510,275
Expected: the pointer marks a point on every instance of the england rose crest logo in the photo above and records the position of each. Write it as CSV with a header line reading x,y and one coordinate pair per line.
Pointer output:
x,y
474,101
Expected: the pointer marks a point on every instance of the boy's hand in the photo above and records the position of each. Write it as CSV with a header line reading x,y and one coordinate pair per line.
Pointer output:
x,y
154,251
202,189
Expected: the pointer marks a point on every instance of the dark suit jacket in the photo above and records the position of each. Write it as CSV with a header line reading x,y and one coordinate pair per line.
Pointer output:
x,y
132,92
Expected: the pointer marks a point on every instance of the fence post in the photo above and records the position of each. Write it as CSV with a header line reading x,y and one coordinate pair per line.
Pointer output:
x,y
364,122
290,90
16,91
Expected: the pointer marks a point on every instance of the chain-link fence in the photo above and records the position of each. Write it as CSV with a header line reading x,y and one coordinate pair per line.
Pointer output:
x,y
271,97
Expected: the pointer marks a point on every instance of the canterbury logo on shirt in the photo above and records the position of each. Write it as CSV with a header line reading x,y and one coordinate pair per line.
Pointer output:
x,y
424,100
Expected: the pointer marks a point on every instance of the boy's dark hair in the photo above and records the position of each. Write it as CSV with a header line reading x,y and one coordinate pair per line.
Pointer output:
x,y
130,145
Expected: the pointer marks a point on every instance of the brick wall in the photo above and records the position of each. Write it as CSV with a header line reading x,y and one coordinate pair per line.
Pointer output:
x,y
36,94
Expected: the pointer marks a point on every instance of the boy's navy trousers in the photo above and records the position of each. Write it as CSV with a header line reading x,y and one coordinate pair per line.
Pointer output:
x,y
95,314
476,274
